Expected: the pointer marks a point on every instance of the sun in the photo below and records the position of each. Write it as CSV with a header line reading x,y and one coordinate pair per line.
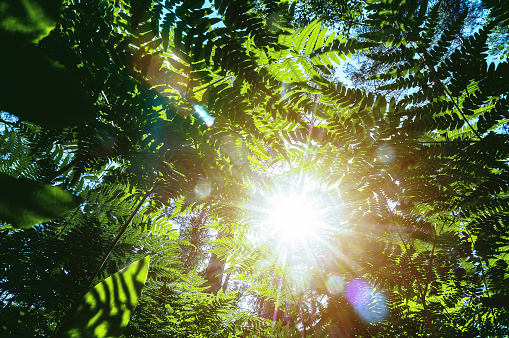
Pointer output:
x,y
293,216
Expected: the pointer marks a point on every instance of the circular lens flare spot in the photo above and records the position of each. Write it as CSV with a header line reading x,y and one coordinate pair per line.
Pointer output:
x,y
386,154
335,285
370,305
202,189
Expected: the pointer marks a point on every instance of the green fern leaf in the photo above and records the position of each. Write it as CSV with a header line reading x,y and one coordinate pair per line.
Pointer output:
x,y
106,309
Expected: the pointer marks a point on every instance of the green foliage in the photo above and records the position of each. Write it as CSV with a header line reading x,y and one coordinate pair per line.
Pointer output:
x,y
25,203
37,89
106,309
413,173
30,20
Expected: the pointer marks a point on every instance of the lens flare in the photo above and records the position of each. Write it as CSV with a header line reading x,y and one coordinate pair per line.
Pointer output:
x,y
209,120
369,304
335,285
202,189
386,154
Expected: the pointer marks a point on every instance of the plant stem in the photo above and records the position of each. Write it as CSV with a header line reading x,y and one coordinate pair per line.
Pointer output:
x,y
428,280
103,261
448,93
302,317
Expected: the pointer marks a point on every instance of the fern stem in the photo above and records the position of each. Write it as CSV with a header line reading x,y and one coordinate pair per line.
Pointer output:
x,y
210,85
483,270
92,156
397,227
461,111
103,261
302,317
449,94
7,122
84,202
62,170
425,292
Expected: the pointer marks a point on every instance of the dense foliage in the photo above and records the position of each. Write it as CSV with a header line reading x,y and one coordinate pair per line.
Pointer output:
x,y
167,129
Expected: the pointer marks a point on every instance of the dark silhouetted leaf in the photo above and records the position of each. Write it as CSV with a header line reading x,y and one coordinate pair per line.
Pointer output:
x,y
38,89
32,20
497,301
25,203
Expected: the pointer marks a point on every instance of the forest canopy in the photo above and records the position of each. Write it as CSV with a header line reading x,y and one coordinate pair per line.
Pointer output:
x,y
266,168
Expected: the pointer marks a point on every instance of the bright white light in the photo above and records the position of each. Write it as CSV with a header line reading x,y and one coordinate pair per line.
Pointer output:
x,y
209,120
293,217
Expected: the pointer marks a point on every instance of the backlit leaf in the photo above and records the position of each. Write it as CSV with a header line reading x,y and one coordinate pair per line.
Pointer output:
x,y
106,309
